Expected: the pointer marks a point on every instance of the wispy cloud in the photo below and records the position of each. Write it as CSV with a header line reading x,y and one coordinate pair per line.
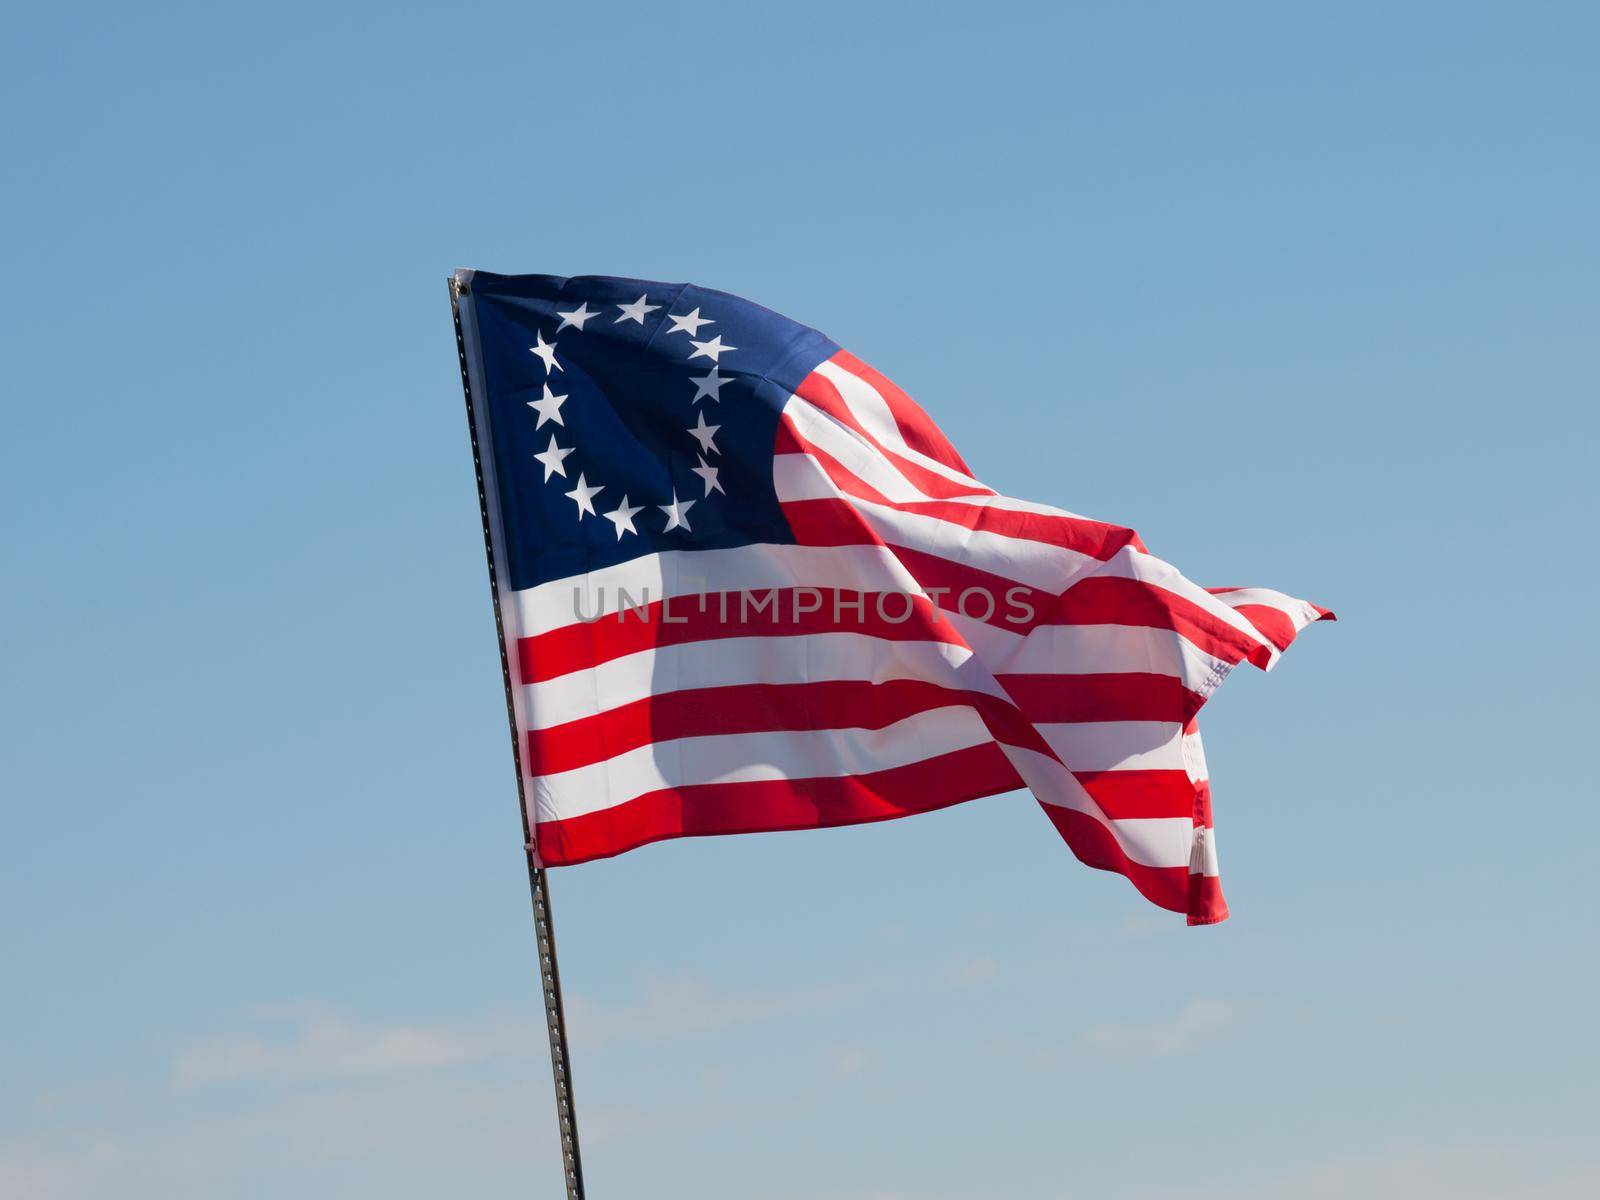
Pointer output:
x,y
1196,1024
308,1043
167,1141
328,1047
461,1096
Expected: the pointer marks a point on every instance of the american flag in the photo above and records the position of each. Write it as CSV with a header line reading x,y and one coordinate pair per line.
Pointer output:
x,y
746,584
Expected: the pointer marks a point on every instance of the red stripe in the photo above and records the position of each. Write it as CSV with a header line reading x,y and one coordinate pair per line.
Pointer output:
x,y
791,441
1133,696
1323,614
1094,538
767,806
1202,804
1128,794
745,708
838,523
1206,905
788,440
915,426
1090,538
1108,600
828,523
1272,623
1094,600
696,618
1199,896
820,392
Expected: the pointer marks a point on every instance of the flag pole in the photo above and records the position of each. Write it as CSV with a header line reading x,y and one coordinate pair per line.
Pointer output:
x,y
538,884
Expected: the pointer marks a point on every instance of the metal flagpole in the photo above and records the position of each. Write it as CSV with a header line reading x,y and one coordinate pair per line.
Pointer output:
x,y
538,885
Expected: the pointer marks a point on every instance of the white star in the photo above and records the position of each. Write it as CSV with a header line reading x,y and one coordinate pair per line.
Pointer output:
x,y
576,317
583,496
676,512
635,311
622,517
689,324
709,385
551,459
712,349
709,474
548,407
547,351
703,434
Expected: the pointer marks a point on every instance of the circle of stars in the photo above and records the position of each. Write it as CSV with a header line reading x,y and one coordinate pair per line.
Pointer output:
x,y
707,387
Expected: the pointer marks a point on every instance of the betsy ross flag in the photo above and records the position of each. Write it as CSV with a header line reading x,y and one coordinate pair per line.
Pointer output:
x,y
746,584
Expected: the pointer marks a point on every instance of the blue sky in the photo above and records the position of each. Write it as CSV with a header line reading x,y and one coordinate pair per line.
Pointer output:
x,y
1307,296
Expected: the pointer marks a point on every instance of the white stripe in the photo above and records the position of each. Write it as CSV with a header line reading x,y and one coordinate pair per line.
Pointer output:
x,y
1023,560
1129,563
1090,650
753,757
1194,757
730,662
802,477
990,643
1300,612
1156,841
1108,649
1126,746
1153,841
868,464
857,455
872,410
1117,745
1203,854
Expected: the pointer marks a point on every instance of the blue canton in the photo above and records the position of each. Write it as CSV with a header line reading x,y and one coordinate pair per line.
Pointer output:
x,y
629,417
